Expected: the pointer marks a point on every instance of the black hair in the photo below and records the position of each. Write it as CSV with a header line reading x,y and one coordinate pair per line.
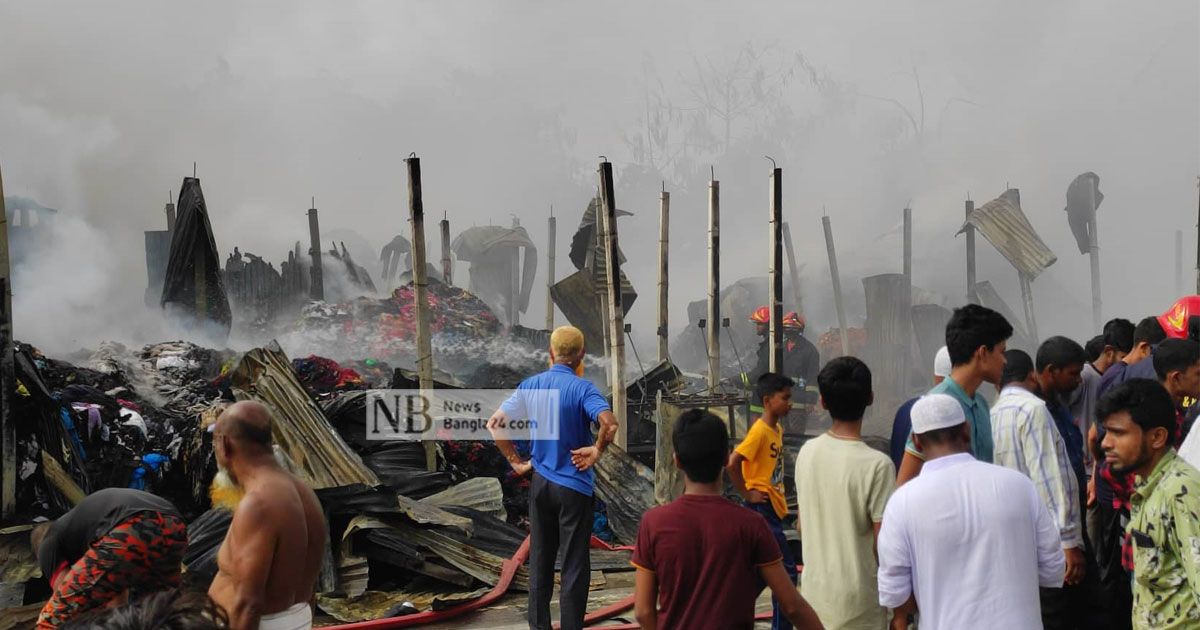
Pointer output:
x,y
770,383
845,386
1175,355
1094,348
173,609
1148,403
1059,352
701,443
972,326
1149,331
1017,367
1119,333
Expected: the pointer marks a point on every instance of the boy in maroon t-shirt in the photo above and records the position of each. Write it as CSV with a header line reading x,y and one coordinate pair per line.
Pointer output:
x,y
701,560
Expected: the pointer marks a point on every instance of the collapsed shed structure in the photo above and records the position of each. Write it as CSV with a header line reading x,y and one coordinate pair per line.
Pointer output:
x,y
193,285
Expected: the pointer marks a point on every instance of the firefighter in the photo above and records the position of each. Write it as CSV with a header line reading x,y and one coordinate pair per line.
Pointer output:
x,y
801,359
761,317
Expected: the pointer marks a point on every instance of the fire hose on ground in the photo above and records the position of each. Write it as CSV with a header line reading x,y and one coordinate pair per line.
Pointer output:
x,y
507,572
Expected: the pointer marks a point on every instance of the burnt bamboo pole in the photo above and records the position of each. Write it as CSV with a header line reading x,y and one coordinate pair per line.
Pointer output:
x,y
447,265
837,285
1094,256
316,288
775,271
616,320
8,425
714,283
798,303
551,240
664,211
970,230
416,217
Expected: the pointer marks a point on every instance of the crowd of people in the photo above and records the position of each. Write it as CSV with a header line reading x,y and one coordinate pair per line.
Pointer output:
x,y
1062,503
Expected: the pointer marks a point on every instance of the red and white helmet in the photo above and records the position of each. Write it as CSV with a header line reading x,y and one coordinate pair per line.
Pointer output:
x,y
793,320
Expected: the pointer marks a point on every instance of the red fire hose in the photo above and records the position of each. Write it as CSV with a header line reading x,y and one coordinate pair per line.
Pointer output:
x,y
408,621
507,572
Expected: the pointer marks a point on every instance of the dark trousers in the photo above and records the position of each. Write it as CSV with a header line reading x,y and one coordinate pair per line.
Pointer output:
x,y
558,516
1077,606
1115,588
778,621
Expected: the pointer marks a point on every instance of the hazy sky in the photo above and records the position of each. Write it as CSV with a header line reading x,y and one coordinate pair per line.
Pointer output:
x,y
104,107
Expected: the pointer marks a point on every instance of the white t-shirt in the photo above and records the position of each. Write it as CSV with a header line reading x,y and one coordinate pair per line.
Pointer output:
x,y
842,488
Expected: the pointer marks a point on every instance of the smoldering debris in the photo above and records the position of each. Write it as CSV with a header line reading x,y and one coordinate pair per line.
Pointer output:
x,y
136,417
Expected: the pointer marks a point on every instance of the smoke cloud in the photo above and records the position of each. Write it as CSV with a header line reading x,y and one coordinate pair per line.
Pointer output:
x,y
867,108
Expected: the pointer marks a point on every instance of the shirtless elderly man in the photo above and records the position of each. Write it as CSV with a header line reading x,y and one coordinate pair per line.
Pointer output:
x,y
270,559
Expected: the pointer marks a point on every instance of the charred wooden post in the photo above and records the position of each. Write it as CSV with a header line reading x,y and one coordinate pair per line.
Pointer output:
x,y
1094,258
316,287
552,239
908,246
889,325
798,302
714,283
1027,302
908,284
447,266
664,211
514,282
8,424
837,286
416,217
616,320
775,272
970,230
170,212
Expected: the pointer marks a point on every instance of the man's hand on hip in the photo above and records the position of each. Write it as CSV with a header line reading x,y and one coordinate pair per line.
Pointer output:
x,y
522,468
585,457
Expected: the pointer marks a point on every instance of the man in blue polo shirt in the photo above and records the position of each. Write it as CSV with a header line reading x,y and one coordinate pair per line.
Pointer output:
x,y
564,407
976,338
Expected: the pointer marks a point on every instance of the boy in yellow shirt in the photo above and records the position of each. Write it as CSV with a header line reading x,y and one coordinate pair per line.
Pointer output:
x,y
756,469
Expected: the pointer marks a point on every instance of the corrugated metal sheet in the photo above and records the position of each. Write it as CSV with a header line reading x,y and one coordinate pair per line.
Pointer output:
x,y
627,488
423,594
480,493
321,457
19,616
17,566
578,299
1004,225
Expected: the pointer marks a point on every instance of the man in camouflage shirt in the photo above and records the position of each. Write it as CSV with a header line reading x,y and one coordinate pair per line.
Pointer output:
x,y
1139,417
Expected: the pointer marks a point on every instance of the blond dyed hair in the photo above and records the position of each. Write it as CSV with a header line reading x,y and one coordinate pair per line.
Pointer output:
x,y
566,341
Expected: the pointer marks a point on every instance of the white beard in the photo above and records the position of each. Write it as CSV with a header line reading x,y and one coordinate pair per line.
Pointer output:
x,y
225,492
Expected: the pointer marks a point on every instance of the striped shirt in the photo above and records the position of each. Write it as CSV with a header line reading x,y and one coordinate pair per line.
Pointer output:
x,y
1027,441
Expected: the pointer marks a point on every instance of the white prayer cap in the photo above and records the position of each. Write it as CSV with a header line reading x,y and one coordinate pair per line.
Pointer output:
x,y
941,363
936,411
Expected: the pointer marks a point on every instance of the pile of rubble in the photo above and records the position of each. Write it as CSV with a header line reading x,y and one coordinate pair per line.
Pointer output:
x,y
399,532
387,327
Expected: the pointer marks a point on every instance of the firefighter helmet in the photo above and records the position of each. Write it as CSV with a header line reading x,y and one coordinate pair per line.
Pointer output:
x,y
794,321
761,315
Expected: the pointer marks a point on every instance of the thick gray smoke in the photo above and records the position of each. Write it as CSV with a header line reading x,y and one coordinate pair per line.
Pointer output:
x,y
866,106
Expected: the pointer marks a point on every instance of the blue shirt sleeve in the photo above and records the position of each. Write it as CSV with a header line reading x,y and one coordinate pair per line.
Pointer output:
x,y
594,403
515,406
